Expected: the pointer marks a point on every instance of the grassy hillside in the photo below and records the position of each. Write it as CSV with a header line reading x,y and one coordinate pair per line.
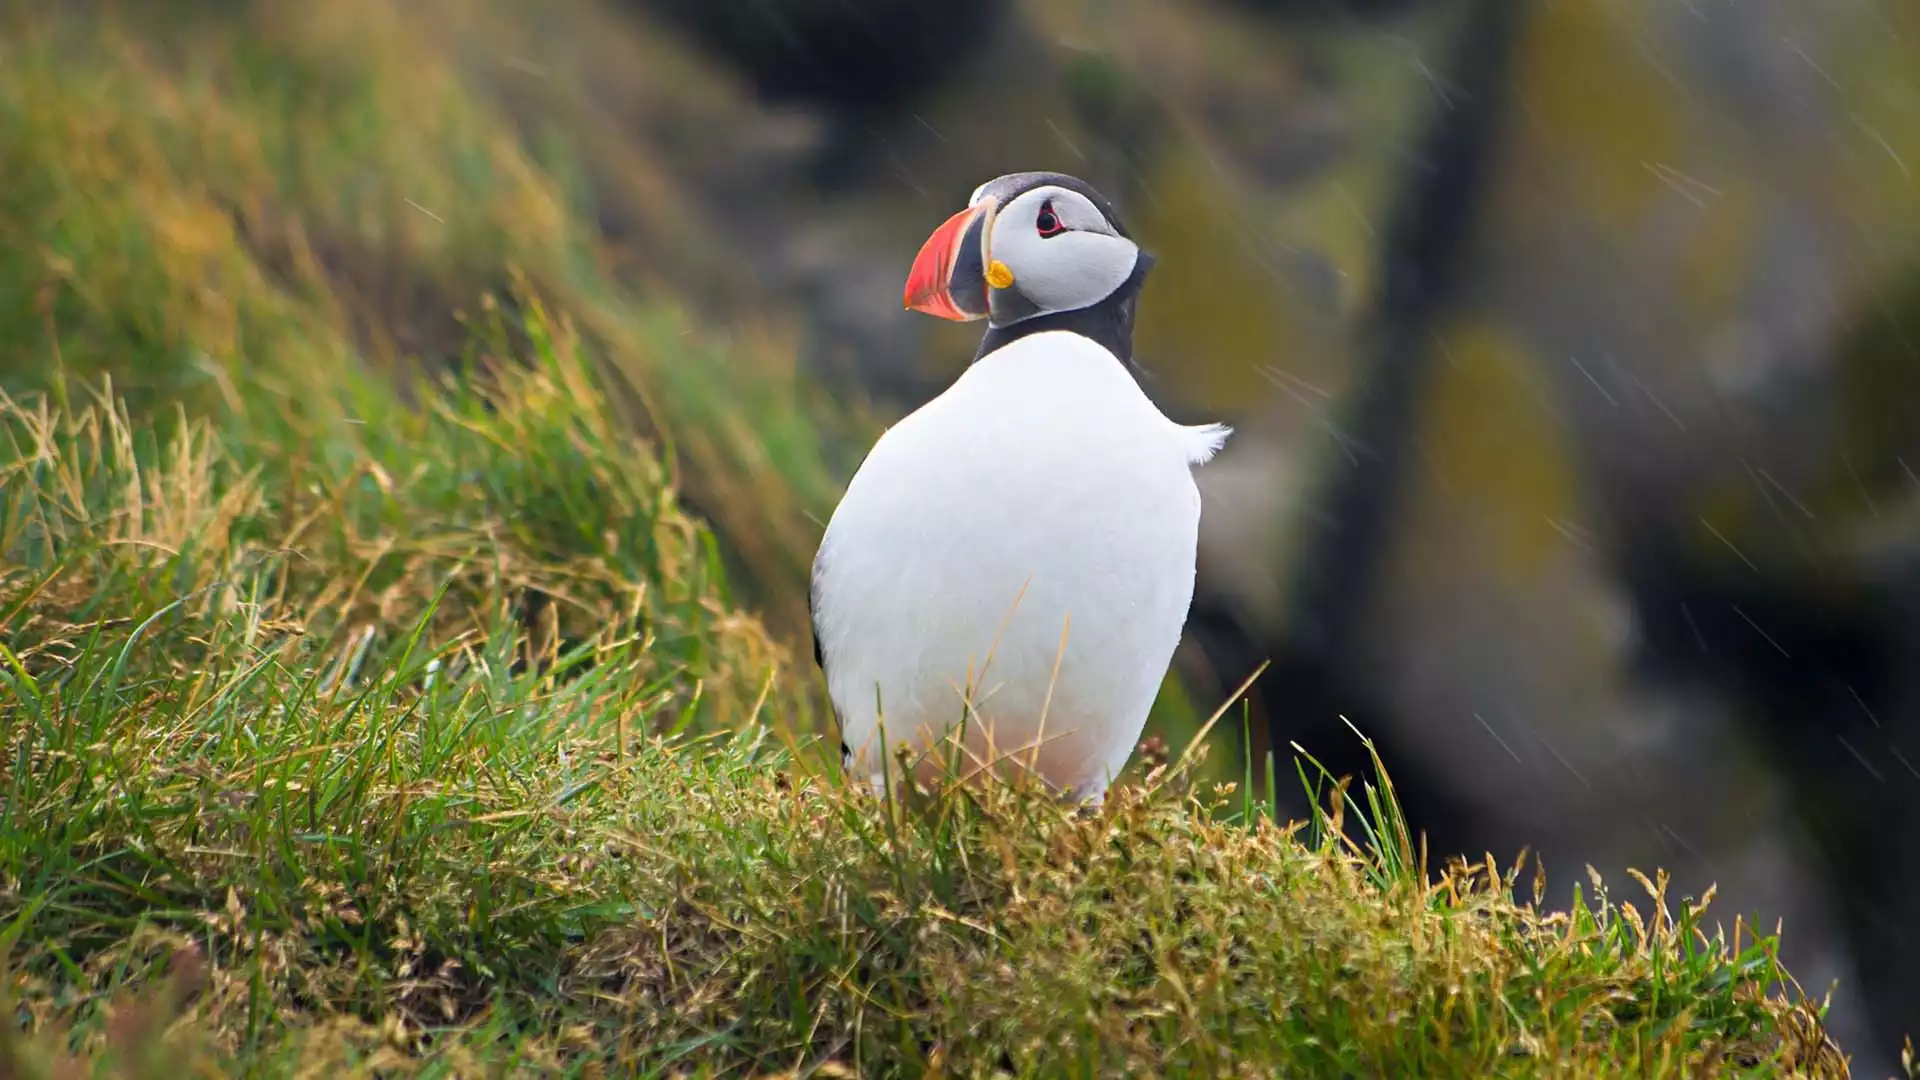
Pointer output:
x,y
371,701
283,794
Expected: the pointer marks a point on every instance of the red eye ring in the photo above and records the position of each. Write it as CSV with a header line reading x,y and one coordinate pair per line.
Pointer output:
x,y
1047,222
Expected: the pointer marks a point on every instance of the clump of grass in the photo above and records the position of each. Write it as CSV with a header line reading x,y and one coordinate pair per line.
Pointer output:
x,y
332,514
290,781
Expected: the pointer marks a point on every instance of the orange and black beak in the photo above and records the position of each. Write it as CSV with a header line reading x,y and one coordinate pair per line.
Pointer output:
x,y
949,276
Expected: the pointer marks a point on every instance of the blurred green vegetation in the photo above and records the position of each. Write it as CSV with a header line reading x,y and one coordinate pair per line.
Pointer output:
x,y
300,190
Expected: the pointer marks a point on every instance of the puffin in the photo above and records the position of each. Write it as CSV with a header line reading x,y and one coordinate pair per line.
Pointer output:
x,y
1016,557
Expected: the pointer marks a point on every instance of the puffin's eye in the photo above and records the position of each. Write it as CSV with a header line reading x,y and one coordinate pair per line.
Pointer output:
x,y
1048,223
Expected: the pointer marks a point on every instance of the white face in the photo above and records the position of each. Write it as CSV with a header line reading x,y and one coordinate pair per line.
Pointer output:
x,y
1063,252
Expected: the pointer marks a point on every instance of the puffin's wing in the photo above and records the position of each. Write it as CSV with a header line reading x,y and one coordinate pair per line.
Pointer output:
x,y
813,579
813,617
819,658
1202,441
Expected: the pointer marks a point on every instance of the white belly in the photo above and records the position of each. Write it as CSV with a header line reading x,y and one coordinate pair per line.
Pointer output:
x,y
1024,542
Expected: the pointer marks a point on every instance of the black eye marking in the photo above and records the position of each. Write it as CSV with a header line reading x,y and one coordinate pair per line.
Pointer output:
x,y
1048,223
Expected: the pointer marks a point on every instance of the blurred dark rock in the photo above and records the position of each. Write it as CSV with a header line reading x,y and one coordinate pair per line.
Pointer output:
x,y
1598,589
1329,9
838,53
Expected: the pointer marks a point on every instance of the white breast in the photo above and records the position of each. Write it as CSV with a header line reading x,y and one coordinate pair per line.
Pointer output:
x,y
1024,541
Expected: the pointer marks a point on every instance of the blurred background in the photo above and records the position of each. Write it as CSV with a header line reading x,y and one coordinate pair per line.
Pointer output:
x,y
1573,345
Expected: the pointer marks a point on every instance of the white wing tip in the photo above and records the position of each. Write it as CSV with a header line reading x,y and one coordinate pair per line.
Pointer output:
x,y
1205,441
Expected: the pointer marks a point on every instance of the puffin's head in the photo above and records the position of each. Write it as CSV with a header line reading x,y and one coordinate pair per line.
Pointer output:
x,y
1028,244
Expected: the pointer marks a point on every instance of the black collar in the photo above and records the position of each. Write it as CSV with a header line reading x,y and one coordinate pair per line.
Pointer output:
x,y
1108,323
